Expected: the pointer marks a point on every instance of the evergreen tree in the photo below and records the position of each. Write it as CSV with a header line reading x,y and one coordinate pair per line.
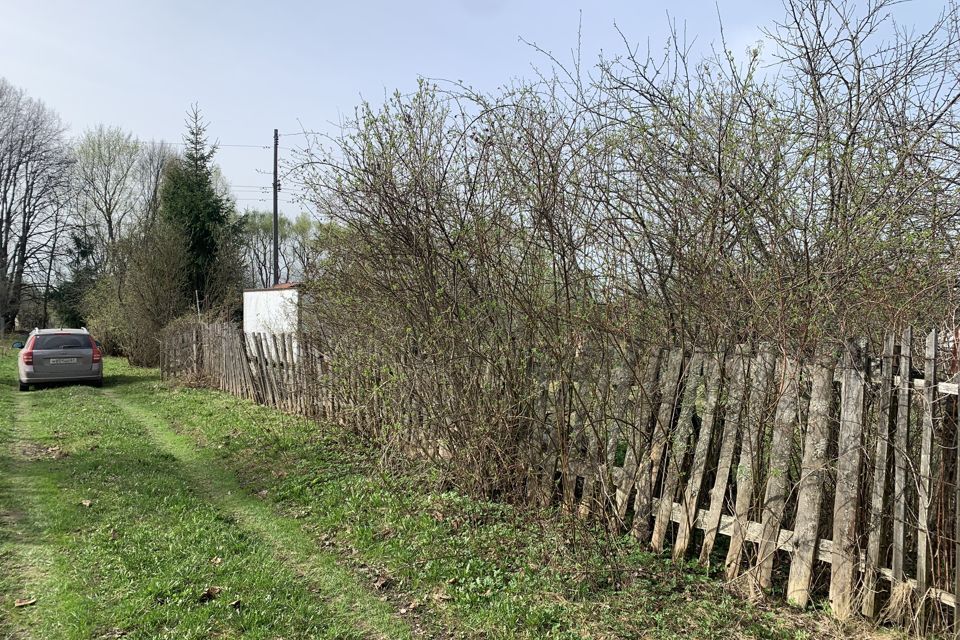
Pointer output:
x,y
190,202
68,297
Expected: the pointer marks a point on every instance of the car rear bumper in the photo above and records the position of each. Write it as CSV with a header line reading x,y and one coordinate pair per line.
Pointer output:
x,y
31,377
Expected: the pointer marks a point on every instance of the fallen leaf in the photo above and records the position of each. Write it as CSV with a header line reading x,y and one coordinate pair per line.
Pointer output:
x,y
113,534
25,602
210,593
216,561
383,582
236,604
86,503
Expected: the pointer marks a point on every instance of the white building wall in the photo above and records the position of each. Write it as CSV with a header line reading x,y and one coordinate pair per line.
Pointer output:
x,y
270,311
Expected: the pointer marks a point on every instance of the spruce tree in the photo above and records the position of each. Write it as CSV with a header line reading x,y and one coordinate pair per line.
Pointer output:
x,y
190,202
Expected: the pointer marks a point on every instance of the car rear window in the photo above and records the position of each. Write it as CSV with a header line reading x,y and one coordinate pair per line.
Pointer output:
x,y
61,341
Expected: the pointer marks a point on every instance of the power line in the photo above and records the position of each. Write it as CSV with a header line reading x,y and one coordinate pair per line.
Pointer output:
x,y
218,144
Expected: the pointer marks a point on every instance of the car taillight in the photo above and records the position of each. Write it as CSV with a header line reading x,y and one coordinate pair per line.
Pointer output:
x,y
97,356
27,353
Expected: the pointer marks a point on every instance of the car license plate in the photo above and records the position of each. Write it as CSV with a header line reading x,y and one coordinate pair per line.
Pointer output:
x,y
63,361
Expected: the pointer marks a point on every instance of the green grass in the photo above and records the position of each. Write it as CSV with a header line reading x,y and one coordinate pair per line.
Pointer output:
x,y
191,488
160,530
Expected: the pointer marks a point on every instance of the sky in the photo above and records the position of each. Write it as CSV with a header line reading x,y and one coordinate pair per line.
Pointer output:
x,y
296,66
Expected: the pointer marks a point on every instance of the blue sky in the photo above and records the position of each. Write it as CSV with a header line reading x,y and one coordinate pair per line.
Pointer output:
x,y
254,66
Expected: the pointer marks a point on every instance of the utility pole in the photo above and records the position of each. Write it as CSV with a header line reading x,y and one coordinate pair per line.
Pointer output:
x,y
276,214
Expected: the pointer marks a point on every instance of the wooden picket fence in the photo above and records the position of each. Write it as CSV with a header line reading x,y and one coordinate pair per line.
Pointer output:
x,y
837,478
270,369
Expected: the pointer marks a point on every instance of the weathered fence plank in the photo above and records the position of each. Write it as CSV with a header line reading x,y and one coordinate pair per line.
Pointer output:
x,y
712,373
956,506
751,444
810,491
643,402
926,472
785,422
880,458
901,456
678,450
738,366
849,465
650,464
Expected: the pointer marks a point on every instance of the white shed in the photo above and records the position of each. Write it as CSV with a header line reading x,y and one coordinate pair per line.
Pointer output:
x,y
273,310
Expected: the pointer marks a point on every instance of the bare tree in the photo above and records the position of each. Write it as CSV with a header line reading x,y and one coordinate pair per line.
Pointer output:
x,y
153,160
34,165
295,250
107,172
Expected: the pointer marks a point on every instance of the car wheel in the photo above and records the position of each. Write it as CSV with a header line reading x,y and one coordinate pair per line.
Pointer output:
x,y
24,386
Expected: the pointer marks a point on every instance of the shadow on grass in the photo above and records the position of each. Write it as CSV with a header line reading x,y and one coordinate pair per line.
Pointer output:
x,y
117,380
112,381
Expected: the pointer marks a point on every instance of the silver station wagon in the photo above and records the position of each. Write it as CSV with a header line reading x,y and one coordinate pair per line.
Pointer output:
x,y
59,355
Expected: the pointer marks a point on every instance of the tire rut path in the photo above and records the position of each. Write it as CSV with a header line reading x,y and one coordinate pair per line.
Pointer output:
x,y
293,546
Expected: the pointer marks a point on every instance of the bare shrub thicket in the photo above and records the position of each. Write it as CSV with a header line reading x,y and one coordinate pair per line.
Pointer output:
x,y
130,306
500,261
